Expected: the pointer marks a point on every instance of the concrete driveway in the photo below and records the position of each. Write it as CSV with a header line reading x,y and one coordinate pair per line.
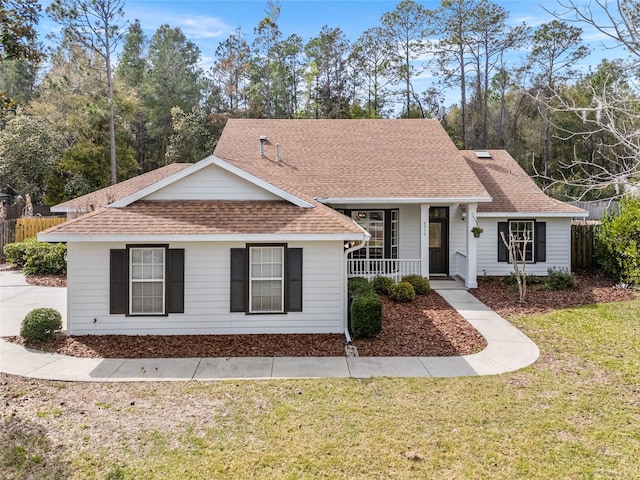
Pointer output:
x,y
17,298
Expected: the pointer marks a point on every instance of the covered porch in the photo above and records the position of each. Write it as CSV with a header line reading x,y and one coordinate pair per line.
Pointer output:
x,y
429,240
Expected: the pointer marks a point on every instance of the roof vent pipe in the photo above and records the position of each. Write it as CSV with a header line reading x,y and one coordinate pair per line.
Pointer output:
x,y
263,140
277,152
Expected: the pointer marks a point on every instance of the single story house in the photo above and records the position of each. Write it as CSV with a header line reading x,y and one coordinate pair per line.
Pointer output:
x,y
261,236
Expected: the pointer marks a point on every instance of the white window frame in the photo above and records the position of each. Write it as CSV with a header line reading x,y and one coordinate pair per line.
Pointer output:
x,y
363,218
519,240
272,278
133,281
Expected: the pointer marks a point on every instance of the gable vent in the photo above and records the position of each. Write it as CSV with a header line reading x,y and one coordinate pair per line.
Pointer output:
x,y
482,154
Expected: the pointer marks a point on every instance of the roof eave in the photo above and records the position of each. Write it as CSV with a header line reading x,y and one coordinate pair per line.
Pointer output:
x,y
534,214
402,200
54,237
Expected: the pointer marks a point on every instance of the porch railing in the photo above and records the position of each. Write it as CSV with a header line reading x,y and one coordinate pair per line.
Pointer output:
x,y
461,264
390,267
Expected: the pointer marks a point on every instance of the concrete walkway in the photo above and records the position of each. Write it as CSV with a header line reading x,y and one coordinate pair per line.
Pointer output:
x,y
508,350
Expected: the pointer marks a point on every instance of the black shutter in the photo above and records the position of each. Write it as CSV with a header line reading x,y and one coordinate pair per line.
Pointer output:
x,y
293,288
541,241
175,280
118,281
503,252
239,287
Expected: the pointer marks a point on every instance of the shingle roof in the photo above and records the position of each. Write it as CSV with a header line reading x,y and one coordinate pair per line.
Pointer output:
x,y
511,188
209,217
352,158
113,193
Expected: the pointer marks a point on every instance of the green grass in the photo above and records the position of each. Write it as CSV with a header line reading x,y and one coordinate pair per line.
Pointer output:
x,y
574,414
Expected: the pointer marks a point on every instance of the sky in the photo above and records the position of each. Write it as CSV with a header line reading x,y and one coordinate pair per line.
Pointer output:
x,y
207,22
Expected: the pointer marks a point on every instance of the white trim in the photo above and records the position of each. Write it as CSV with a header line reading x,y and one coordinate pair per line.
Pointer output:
x,y
281,278
257,237
402,200
162,281
210,160
532,214
70,209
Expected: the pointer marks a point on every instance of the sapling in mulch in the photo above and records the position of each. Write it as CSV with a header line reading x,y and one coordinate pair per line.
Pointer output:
x,y
517,248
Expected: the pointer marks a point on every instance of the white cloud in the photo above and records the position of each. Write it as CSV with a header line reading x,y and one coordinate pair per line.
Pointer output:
x,y
203,27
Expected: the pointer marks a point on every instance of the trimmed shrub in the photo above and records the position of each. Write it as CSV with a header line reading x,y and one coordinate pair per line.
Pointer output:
x,y
366,316
618,242
16,252
382,285
37,258
46,258
420,284
40,324
358,286
402,292
560,279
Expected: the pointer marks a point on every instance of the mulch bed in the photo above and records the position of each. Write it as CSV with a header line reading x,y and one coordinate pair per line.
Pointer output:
x,y
592,286
426,327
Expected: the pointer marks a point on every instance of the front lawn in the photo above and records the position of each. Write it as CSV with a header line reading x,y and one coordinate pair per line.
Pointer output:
x,y
573,414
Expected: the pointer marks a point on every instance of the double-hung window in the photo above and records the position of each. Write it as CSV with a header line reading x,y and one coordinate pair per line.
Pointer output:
x,y
266,279
522,233
147,281
530,237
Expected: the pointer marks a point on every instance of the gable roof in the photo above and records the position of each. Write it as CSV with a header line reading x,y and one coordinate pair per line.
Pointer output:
x,y
207,220
512,189
336,160
105,196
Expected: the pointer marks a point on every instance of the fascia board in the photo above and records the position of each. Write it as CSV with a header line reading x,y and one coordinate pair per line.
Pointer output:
x,y
53,237
533,214
402,200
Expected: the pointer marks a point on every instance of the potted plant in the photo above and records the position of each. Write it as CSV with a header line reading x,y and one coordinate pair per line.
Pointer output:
x,y
477,231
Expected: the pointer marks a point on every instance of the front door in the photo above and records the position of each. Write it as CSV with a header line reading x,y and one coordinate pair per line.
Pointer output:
x,y
439,240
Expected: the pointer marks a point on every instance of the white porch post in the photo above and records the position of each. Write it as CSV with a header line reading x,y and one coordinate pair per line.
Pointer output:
x,y
424,239
472,247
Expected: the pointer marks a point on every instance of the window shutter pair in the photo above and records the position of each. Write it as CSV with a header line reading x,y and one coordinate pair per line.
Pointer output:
x,y
119,281
239,280
540,241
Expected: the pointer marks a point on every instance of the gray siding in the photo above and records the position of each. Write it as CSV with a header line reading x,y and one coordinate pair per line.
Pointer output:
x,y
206,294
558,248
212,183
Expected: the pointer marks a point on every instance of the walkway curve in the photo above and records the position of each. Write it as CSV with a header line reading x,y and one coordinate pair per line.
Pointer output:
x,y
508,350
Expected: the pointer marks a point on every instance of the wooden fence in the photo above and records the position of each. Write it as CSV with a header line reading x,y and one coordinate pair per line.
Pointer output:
x,y
583,245
17,230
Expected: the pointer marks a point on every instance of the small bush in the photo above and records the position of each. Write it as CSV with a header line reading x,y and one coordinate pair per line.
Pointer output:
x,y
46,258
40,324
16,252
366,316
359,286
382,285
37,258
560,279
402,292
420,284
